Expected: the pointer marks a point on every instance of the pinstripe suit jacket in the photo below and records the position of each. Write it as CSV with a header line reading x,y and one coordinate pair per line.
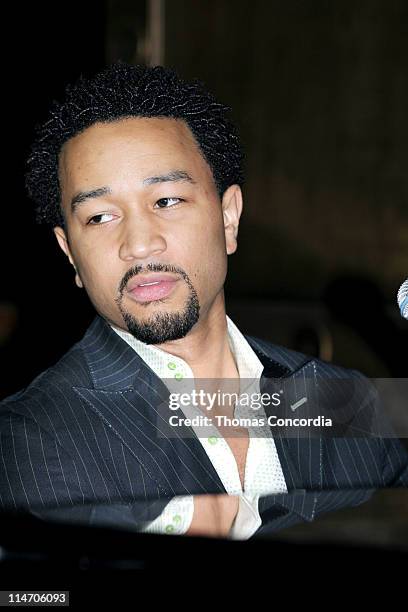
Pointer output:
x,y
81,442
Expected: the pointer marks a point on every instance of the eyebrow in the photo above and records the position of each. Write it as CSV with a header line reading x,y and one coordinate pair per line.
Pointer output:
x,y
87,195
174,176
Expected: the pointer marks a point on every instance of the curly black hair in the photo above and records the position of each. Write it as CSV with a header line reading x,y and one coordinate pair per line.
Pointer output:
x,y
122,91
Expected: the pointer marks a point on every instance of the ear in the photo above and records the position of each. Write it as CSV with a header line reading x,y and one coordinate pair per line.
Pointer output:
x,y
232,208
64,244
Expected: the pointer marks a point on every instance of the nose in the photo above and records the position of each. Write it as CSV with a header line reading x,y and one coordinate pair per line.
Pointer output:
x,y
142,238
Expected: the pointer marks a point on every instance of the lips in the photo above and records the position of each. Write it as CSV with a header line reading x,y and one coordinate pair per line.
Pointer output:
x,y
147,288
143,279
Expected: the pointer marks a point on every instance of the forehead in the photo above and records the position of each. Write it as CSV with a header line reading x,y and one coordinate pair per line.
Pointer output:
x,y
137,144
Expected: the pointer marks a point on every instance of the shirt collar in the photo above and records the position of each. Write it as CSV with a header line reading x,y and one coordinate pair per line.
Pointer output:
x,y
166,365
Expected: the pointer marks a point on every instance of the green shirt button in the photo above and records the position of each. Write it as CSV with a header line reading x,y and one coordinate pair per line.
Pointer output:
x,y
169,528
177,519
178,376
171,365
212,440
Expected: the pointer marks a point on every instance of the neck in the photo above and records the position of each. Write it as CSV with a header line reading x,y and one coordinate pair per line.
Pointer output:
x,y
206,348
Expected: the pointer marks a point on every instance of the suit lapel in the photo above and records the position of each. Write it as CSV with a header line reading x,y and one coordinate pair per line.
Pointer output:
x,y
132,401
299,455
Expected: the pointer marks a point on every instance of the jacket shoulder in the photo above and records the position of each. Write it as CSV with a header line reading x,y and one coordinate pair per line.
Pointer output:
x,y
294,360
70,370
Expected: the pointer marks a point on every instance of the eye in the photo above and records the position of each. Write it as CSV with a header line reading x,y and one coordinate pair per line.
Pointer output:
x,y
91,220
172,202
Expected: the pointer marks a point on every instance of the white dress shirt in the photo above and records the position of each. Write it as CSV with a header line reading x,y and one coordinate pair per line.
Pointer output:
x,y
263,471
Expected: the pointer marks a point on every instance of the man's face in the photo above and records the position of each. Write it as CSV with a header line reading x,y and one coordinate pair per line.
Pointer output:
x,y
141,206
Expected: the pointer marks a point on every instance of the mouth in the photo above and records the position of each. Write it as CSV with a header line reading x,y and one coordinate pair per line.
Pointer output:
x,y
151,288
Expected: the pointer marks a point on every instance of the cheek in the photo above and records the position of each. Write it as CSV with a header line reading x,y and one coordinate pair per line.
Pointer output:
x,y
203,255
97,271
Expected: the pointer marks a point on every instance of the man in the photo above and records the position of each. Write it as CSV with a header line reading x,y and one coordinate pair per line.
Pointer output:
x,y
139,175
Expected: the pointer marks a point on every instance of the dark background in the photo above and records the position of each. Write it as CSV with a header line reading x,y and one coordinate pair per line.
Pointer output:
x,y
319,91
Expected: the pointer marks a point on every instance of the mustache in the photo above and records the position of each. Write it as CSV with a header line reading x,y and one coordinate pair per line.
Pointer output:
x,y
151,267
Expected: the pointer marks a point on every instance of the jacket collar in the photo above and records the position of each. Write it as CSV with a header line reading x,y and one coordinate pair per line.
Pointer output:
x,y
116,368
